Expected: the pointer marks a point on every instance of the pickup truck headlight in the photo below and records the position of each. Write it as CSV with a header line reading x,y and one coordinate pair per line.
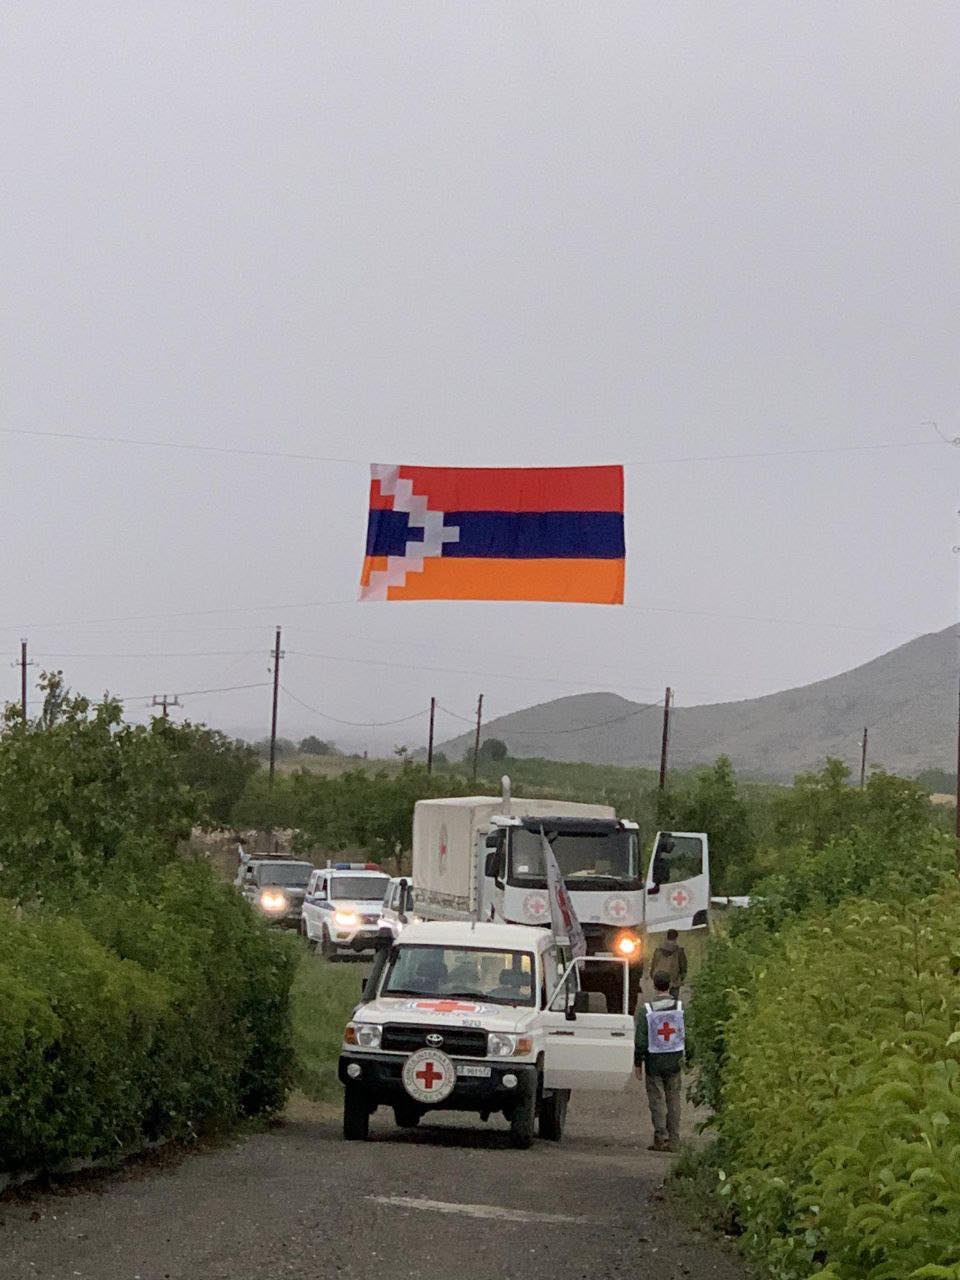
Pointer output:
x,y
345,918
504,1046
365,1035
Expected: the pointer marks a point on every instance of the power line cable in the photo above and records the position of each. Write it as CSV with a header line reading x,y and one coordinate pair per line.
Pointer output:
x,y
190,693
354,724
580,728
746,455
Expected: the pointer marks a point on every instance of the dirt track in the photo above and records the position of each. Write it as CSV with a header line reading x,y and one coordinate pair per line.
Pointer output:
x,y
452,1199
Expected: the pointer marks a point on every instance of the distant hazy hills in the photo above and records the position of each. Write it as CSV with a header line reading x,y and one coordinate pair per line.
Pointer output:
x,y
907,698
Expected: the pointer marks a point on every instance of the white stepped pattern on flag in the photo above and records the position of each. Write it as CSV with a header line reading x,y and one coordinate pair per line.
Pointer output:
x,y
435,533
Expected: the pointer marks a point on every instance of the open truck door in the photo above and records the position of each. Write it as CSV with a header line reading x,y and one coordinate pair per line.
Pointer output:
x,y
678,881
589,1034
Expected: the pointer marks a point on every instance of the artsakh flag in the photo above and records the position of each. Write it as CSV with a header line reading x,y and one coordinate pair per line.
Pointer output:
x,y
495,533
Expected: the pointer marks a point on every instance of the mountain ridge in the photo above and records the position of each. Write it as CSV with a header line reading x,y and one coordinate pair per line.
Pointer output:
x,y
906,697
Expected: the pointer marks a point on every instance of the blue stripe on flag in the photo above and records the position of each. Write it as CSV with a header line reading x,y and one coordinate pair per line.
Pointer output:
x,y
525,535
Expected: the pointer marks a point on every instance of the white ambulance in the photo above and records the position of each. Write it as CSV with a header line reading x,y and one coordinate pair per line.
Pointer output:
x,y
485,1018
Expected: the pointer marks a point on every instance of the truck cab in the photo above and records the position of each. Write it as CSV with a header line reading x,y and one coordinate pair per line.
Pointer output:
x,y
485,1018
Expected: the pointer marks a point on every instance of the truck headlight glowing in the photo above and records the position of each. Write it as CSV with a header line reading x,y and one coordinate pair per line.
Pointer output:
x,y
628,946
504,1046
345,918
273,900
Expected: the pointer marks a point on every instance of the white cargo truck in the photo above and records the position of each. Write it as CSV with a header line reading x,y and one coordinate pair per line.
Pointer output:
x,y
481,858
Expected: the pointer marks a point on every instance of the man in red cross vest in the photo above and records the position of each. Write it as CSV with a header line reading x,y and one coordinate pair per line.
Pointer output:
x,y
658,1053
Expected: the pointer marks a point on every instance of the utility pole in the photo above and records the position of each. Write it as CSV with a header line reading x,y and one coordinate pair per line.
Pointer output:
x,y
277,655
863,759
164,700
433,713
665,740
476,738
958,786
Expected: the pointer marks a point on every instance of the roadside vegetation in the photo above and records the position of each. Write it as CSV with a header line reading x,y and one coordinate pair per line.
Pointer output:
x,y
140,1000
825,1030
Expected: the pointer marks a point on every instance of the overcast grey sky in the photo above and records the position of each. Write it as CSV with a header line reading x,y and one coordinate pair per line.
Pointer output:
x,y
480,234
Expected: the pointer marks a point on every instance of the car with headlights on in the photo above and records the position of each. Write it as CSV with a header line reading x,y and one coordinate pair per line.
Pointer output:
x,y
275,887
484,1017
341,909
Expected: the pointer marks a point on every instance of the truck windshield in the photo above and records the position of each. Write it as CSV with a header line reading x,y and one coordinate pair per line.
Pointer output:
x,y
586,859
461,974
358,888
291,874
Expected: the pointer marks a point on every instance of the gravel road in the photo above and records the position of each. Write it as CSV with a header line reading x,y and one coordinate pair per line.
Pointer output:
x,y
451,1199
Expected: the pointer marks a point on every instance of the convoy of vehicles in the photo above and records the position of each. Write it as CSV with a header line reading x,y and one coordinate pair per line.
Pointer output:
x,y
275,886
341,910
486,1018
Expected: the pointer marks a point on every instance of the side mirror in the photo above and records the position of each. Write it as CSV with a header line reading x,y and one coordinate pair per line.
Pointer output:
x,y
384,940
653,889
363,986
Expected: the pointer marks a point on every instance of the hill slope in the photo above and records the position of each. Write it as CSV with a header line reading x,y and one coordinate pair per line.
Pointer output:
x,y
907,698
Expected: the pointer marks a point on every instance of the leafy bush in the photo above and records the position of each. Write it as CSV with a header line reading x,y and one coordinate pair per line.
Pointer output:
x,y
140,999
159,1014
840,1106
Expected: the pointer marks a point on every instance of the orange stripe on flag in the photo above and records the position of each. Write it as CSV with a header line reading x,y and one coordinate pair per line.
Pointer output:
x,y
371,563
573,581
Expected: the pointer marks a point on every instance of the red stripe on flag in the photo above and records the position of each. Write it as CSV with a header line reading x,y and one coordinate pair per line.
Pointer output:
x,y
513,488
378,500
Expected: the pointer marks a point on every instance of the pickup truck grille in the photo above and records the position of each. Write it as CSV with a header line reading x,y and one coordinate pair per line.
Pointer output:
x,y
461,1042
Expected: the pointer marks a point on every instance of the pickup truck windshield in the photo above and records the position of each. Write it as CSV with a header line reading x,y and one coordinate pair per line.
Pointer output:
x,y
358,888
461,973
292,874
586,859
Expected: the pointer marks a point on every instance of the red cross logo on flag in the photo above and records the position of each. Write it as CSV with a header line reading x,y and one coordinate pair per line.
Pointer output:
x,y
680,897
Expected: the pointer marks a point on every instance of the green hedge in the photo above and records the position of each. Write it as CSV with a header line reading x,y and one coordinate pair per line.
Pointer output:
x,y
839,1120
157,1010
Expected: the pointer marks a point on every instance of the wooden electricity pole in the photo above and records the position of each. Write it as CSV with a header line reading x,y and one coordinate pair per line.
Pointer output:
x,y
277,655
476,738
433,713
163,700
23,679
665,740
863,759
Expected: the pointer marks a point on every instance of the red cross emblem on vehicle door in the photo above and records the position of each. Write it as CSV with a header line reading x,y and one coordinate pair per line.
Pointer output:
x,y
680,897
446,1006
429,1075
617,908
535,904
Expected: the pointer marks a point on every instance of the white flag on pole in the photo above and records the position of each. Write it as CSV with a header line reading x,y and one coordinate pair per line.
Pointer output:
x,y
566,926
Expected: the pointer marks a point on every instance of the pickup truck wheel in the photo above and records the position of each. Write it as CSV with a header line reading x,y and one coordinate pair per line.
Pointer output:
x,y
356,1116
522,1121
553,1115
406,1117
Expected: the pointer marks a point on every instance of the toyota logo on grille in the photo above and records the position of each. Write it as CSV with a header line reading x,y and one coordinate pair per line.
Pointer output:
x,y
434,1039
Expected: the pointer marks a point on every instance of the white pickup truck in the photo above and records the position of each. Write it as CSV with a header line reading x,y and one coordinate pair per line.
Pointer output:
x,y
488,1018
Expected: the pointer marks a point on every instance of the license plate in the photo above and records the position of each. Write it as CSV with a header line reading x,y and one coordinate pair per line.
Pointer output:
x,y
474,1073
